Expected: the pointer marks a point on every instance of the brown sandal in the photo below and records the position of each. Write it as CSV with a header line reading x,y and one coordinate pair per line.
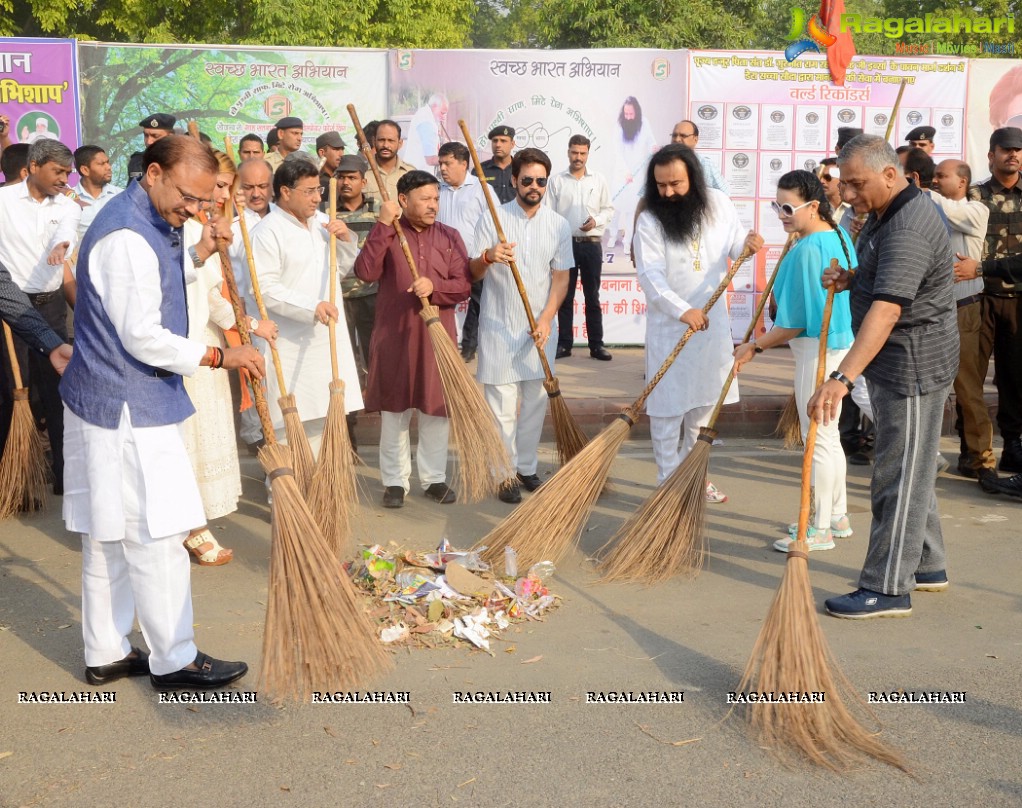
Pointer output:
x,y
214,556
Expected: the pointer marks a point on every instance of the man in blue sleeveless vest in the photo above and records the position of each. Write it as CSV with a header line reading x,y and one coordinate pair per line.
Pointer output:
x,y
129,486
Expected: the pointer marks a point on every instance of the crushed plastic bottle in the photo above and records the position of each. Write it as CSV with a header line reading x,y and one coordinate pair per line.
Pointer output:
x,y
544,570
510,562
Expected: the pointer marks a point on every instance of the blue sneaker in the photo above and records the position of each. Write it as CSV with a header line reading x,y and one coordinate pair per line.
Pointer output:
x,y
864,603
931,581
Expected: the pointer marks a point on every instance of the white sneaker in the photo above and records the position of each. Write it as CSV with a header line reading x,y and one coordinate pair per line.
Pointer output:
x,y
713,496
815,540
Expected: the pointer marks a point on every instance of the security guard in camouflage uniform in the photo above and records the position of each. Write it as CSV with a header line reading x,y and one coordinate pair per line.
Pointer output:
x,y
358,212
1002,298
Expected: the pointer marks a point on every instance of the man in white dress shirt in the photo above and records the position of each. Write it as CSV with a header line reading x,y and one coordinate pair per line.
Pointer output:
x,y
131,492
290,248
582,198
539,241
687,133
38,230
461,195
95,188
683,240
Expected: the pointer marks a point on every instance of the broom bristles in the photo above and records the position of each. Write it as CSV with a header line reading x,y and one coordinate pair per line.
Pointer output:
x,y
545,526
568,434
789,427
302,460
318,637
791,655
482,463
24,472
333,495
665,536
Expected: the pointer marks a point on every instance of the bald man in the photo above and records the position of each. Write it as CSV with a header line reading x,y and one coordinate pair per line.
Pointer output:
x,y
967,220
687,133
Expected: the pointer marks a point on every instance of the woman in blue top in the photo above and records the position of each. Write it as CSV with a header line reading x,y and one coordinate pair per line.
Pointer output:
x,y
803,209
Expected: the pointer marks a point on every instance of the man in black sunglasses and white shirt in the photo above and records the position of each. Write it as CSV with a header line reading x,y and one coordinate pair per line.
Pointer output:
x,y
539,242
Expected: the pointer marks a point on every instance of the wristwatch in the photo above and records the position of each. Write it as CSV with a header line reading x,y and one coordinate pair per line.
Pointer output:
x,y
837,375
979,269
196,261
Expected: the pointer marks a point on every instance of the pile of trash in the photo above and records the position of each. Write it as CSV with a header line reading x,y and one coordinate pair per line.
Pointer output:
x,y
449,597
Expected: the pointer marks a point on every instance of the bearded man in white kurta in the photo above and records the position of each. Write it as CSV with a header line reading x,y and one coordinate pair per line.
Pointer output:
x,y
290,248
683,240
539,241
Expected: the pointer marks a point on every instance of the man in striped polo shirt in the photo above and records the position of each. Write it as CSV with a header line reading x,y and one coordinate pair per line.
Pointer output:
x,y
539,241
906,346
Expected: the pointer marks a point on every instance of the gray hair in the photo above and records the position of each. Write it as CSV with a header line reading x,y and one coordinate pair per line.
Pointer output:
x,y
46,150
874,151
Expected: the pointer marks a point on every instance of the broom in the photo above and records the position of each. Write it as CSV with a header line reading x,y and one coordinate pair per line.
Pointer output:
x,y
791,653
317,636
551,520
332,492
301,452
665,535
24,472
483,464
569,436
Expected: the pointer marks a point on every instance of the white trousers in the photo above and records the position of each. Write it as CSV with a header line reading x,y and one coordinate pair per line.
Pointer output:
x,y
138,575
666,433
829,465
250,428
396,450
520,408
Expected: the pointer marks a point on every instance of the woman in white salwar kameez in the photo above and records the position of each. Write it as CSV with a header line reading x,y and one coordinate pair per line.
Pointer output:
x,y
209,434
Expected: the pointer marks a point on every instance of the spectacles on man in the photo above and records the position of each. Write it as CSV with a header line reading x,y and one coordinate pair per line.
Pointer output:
x,y
525,182
677,137
317,191
787,210
193,201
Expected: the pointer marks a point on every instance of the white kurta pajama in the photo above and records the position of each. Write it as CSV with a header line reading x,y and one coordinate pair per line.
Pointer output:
x,y
509,367
292,265
130,491
685,396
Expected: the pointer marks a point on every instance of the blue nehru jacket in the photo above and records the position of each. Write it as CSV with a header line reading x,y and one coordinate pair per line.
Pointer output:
x,y
102,376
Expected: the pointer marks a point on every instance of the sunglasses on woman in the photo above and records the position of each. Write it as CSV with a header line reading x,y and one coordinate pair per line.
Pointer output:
x,y
788,210
525,182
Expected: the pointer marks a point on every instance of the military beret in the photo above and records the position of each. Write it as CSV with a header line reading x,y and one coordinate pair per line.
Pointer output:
x,y
331,139
161,120
921,133
501,131
290,122
1009,137
351,163
846,133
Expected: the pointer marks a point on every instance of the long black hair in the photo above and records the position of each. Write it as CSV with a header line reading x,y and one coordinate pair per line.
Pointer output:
x,y
809,189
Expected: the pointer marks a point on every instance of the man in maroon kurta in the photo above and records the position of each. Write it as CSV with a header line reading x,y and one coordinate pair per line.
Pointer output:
x,y
403,374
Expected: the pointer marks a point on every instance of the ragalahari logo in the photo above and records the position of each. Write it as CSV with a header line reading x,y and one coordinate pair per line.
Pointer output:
x,y
803,37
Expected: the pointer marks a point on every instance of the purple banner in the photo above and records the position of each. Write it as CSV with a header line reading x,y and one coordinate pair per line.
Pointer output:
x,y
39,90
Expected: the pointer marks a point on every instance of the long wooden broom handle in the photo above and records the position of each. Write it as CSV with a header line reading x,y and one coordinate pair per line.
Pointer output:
x,y
633,411
15,368
503,240
748,331
333,279
807,457
386,198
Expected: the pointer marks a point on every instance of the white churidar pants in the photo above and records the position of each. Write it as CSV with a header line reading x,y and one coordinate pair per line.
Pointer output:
x,y
396,450
666,433
520,408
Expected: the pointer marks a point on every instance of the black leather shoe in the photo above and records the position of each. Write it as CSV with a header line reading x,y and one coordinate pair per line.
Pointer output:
x,y
602,354
394,497
129,666
211,673
988,480
253,448
1011,457
510,493
858,459
562,353
967,471
530,482
440,492
1011,487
